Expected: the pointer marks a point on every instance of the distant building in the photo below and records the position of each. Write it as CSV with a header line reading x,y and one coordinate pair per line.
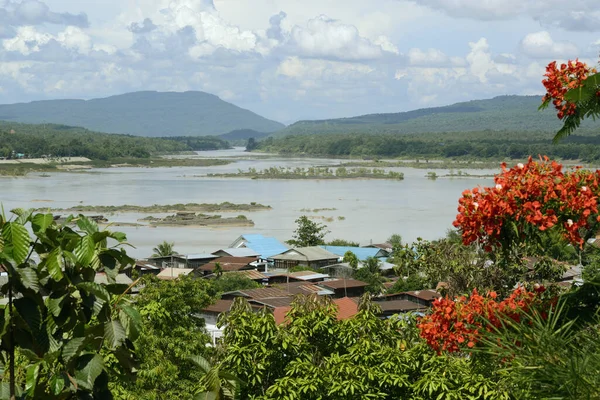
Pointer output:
x,y
362,253
182,261
265,246
228,264
313,257
345,287
236,252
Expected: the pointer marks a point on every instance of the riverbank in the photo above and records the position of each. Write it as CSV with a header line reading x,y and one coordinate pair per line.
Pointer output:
x,y
198,220
167,208
313,173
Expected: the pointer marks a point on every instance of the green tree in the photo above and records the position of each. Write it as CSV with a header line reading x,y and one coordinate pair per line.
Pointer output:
x,y
65,327
252,144
343,242
220,384
164,249
218,270
350,258
231,281
308,233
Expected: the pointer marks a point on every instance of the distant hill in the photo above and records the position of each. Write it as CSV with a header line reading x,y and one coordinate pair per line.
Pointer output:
x,y
243,134
503,113
144,114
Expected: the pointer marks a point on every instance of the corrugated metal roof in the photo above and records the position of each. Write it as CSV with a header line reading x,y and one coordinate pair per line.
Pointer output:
x,y
273,302
304,288
313,253
219,307
263,293
250,274
362,253
173,273
199,256
264,245
399,306
228,263
239,252
342,283
309,276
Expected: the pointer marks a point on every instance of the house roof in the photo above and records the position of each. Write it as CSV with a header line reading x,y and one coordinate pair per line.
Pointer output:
x,y
260,293
308,275
264,245
173,273
199,256
313,253
250,274
273,302
239,252
219,306
342,283
382,246
425,294
228,263
362,253
303,288
399,306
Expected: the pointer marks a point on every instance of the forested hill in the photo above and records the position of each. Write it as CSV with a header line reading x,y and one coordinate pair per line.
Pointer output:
x,y
504,113
144,114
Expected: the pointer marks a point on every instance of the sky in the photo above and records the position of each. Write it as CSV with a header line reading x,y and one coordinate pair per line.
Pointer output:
x,y
290,60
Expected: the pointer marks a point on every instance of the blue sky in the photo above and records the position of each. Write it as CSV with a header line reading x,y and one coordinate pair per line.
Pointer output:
x,y
292,59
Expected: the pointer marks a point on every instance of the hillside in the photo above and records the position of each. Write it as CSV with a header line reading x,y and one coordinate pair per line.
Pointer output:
x,y
143,114
506,113
243,134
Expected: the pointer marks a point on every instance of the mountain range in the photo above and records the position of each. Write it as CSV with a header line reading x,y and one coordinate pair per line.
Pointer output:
x,y
144,114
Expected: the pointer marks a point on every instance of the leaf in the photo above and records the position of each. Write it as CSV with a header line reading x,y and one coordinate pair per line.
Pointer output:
x,y
206,396
114,334
89,367
202,363
131,320
17,238
96,289
85,250
581,94
54,264
41,222
72,348
30,312
118,236
33,374
57,384
29,278
54,304
87,225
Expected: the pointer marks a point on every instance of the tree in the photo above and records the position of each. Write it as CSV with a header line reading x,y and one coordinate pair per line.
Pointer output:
x,y
252,144
395,240
164,249
343,242
63,329
350,258
218,270
220,384
308,233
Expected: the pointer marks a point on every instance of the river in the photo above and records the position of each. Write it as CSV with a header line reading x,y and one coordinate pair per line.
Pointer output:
x,y
367,211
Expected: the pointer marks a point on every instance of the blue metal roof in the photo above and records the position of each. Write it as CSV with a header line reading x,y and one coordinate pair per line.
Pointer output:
x,y
264,245
362,253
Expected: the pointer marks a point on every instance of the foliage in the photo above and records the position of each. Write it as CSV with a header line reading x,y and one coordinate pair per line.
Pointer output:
x,y
172,332
64,326
308,233
529,198
315,356
410,283
229,282
220,384
251,145
457,325
395,240
350,258
574,90
343,242
164,249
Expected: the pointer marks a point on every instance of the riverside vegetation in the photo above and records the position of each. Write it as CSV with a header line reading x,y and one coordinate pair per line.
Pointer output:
x,y
314,173
167,208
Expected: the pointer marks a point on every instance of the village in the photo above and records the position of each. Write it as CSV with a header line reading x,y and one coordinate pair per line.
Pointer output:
x,y
285,272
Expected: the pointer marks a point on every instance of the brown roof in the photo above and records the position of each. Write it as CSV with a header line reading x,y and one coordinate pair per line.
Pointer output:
x,y
425,294
301,287
342,283
263,293
274,302
228,264
399,305
250,274
219,307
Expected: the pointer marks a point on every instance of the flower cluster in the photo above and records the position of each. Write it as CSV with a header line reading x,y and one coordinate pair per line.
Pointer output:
x,y
456,324
559,81
535,194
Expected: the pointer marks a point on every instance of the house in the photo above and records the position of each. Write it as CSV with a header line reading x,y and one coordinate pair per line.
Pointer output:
x,y
228,264
256,294
387,247
345,287
143,267
173,273
182,261
313,257
265,246
305,288
346,308
392,307
362,253
298,276
236,252
424,297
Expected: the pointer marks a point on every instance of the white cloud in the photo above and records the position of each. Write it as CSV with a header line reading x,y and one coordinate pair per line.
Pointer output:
x,y
308,70
541,45
34,12
328,38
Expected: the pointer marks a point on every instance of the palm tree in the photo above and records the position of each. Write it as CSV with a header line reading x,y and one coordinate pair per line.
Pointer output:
x,y
164,249
220,385
218,271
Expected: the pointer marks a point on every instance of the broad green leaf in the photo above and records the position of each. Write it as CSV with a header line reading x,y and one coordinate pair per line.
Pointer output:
x,y
24,216
85,250
33,374
57,384
89,367
30,312
18,211
206,396
96,289
131,320
118,236
87,225
16,237
41,222
54,263
55,304
72,348
581,94
29,278
114,334
202,363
